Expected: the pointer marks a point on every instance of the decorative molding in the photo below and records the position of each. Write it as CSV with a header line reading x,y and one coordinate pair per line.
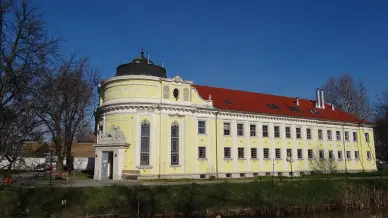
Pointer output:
x,y
186,94
177,79
112,139
193,111
166,91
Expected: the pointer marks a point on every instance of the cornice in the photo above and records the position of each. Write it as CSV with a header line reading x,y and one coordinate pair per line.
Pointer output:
x,y
226,114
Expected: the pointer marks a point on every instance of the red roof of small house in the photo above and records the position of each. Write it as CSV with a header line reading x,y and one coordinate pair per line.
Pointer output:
x,y
251,102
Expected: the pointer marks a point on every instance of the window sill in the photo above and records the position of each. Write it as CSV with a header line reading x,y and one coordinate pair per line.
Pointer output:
x,y
202,159
300,159
254,158
228,158
175,166
144,167
278,159
204,134
241,159
267,159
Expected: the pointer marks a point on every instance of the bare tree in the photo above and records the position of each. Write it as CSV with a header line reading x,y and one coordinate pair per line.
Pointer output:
x,y
25,48
67,100
381,128
322,165
348,95
86,135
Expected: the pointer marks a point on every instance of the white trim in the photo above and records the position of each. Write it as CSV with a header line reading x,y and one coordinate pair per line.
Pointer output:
x,y
233,152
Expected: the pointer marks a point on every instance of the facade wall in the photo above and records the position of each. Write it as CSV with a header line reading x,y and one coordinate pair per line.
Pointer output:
x,y
128,103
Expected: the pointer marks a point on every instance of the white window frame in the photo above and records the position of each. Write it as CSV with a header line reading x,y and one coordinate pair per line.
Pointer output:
x,y
204,127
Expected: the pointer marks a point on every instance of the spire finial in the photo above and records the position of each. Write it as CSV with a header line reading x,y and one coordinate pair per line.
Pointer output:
x,y
142,53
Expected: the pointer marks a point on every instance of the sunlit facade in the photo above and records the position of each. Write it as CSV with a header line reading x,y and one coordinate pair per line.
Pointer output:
x,y
152,126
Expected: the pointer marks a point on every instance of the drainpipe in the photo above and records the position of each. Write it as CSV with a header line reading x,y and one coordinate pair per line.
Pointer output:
x,y
217,142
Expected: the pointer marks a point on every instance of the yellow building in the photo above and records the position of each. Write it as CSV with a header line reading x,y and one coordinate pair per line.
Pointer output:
x,y
151,126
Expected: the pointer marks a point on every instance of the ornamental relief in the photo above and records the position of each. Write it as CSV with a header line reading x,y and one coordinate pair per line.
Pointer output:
x,y
186,94
166,91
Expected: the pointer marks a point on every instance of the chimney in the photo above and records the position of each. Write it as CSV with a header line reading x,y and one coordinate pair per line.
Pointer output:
x,y
318,104
322,99
297,101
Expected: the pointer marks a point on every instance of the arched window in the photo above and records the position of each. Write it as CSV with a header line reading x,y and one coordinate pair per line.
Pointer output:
x,y
175,144
145,144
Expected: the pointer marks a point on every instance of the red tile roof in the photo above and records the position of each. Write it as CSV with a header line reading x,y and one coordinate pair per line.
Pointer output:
x,y
252,102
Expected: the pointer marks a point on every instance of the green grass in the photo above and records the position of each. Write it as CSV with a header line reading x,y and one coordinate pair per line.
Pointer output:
x,y
76,175
46,201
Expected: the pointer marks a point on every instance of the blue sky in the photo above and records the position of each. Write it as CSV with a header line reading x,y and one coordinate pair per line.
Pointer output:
x,y
278,47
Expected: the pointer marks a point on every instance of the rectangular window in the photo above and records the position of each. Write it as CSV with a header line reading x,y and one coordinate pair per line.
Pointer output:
x,y
227,153
308,133
276,131
202,152
226,128
310,154
356,155
300,154
174,144
240,153
329,136
298,134
346,136
338,135
367,137
253,130
321,154
320,134
145,144
289,152
355,136
348,155
265,131
368,155
288,132
277,153
253,153
266,153
240,129
201,127
339,155
331,155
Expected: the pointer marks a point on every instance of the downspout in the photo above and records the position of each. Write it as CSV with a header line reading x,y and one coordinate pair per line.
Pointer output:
x,y
217,142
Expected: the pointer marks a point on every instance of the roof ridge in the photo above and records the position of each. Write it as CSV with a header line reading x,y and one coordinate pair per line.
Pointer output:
x,y
254,92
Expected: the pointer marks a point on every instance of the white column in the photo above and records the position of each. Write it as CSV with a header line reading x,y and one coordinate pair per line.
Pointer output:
x,y
184,144
153,146
259,132
247,138
233,128
137,144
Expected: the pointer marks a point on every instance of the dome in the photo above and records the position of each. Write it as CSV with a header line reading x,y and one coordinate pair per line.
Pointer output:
x,y
141,66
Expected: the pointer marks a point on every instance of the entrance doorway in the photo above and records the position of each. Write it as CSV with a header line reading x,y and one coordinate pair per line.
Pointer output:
x,y
107,165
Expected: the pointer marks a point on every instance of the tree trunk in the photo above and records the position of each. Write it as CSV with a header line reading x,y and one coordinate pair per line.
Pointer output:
x,y
69,159
59,164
